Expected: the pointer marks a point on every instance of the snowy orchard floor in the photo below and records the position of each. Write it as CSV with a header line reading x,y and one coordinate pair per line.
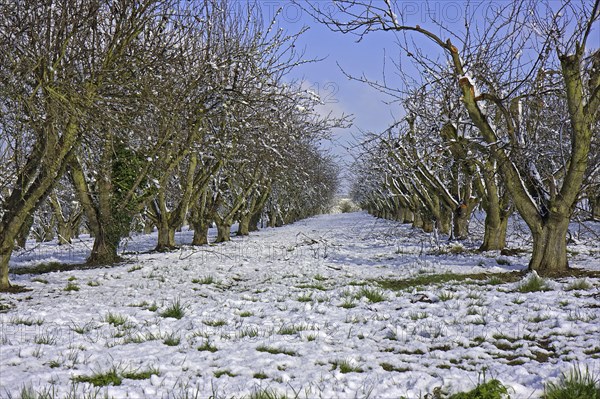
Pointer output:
x,y
286,310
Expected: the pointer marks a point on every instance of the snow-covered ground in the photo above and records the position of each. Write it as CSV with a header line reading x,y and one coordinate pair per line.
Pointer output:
x,y
287,310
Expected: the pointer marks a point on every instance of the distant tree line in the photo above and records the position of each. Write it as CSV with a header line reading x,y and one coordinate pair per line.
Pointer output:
x,y
124,115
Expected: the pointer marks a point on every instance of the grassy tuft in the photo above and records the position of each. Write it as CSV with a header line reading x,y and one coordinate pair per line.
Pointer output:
x,y
275,351
45,338
432,279
250,332
348,303
54,364
220,373
215,322
175,310
346,367
311,337
28,392
418,315
533,283
317,286
446,296
204,280
503,261
141,375
171,339
577,384
115,319
71,286
207,347
390,367
580,284
111,377
495,280
266,394
292,329
305,297
373,295
26,321
83,328
492,389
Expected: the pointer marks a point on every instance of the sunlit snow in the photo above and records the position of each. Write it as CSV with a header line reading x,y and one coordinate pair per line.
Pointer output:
x,y
284,308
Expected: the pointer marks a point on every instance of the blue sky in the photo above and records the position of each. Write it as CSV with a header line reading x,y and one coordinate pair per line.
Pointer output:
x,y
342,95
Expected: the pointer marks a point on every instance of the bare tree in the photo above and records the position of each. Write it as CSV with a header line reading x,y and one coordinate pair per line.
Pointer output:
x,y
498,70
56,58
114,172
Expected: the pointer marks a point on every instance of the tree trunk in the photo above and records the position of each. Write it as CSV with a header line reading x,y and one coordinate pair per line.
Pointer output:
x,y
44,232
244,225
408,216
148,226
460,222
427,224
111,225
21,239
23,200
5,252
254,220
497,206
550,247
65,232
105,248
223,232
166,236
417,222
272,218
494,236
77,229
595,207
200,232
444,223
548,224
280,222
63,224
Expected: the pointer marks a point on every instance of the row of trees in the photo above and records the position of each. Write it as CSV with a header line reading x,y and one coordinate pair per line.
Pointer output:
x,y
502,113
156,112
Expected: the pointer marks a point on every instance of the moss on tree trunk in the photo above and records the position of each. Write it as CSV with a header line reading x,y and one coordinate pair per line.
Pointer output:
x,y
24,231
166,237
223,231
494,236
408,216
5,252
254,220
417,222
595,207
104,251
549,255
428,225
200,232
244,225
